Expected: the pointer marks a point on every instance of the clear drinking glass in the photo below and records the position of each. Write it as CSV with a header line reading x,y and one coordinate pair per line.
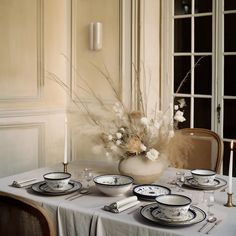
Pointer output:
x,y
88,176
180,180
209,200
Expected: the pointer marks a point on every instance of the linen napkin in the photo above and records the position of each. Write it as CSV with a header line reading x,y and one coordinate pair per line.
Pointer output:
x,y
23,183
122,205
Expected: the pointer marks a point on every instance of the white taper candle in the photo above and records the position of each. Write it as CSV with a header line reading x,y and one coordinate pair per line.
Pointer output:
x,y
231,167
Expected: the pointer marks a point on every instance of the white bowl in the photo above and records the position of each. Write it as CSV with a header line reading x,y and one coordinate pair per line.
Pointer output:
x,y
174,206
113,185
203,177
57,180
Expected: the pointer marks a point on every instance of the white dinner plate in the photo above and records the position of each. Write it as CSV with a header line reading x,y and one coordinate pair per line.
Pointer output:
x,y
150,191
146,213
218,183
42,188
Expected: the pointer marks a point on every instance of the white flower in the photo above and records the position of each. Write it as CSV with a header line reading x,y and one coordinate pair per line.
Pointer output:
x,y
109,137
114,148
179,116
144,121
182,102
176,107
118,142
118,135
152,154
122,130
143,147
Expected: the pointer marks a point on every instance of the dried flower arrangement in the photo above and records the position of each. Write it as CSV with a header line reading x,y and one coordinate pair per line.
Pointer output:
x,y
130,133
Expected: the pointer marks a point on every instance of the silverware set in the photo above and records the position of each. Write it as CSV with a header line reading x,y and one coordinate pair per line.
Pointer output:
x,y
81,193
210,221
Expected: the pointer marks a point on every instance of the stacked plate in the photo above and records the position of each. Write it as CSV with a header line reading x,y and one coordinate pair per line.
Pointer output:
x,y
216,184
152,213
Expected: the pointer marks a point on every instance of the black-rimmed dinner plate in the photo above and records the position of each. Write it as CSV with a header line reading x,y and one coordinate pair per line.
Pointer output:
x,y
42,188
149,192
146,213
191,183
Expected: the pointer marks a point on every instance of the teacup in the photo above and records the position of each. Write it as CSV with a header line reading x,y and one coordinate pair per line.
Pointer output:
x,y
203,177
57,180
174,206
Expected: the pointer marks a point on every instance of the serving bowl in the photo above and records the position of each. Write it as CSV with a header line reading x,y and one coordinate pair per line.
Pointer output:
x,y
203,177
57,180
174,206
113,185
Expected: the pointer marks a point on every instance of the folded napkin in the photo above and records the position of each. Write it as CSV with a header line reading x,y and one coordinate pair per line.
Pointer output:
x,y
122,205
23,183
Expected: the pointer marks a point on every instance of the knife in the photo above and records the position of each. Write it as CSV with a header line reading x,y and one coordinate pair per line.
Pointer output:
x,y
216,223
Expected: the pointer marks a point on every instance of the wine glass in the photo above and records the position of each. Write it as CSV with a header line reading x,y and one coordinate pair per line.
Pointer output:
x,y
180,180
209,199
88,176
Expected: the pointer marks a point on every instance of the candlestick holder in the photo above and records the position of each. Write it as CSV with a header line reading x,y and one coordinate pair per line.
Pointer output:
x,y
230,200
65,167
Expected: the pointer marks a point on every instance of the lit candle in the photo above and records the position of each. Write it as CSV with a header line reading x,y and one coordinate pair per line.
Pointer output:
x,y
231,167
66,140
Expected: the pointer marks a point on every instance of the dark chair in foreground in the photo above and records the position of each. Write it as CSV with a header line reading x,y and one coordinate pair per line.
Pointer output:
x,y
21,217
206,149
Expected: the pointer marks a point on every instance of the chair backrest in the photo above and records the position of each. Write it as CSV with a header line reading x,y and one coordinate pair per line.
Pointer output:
x,y
206,151
21,217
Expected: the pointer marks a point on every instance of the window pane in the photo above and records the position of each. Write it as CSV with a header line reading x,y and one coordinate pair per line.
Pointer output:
x,y
203,6
203,34
183,7
202,113
230,5
182,34
229,75
229,128
186,110
230,32
203,76
182,64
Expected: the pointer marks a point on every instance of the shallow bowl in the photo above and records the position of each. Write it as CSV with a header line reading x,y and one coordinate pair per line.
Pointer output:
x,y
57,180
113,185
203,177
174,206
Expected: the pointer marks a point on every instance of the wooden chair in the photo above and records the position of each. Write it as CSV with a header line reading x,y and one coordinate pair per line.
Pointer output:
x,y
21,217
206,151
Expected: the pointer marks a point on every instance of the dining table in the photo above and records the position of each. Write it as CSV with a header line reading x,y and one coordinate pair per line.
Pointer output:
x,y
85,215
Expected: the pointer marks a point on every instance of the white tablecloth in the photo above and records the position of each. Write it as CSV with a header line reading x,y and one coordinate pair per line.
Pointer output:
x,y
84,216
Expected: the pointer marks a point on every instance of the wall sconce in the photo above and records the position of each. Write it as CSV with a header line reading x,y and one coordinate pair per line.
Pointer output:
x,y
95,36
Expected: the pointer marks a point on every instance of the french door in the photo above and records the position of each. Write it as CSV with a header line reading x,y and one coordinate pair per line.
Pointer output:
x,y
203,36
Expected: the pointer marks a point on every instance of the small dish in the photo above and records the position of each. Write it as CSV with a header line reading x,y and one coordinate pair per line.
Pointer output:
x,y
159,215
146,213
174,206
113,185
203,177
57,180
149,192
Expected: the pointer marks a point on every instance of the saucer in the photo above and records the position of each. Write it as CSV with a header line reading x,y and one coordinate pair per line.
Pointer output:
x,y
147,213
150,191
160,216
218,183
42,188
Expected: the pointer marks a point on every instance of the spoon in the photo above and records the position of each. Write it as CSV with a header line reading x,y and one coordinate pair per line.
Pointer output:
x,y
211,219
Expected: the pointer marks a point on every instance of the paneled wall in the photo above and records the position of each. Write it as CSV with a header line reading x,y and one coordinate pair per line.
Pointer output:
x,y
34,35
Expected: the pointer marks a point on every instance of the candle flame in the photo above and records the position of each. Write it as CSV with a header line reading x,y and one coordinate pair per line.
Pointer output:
x,y
232,145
